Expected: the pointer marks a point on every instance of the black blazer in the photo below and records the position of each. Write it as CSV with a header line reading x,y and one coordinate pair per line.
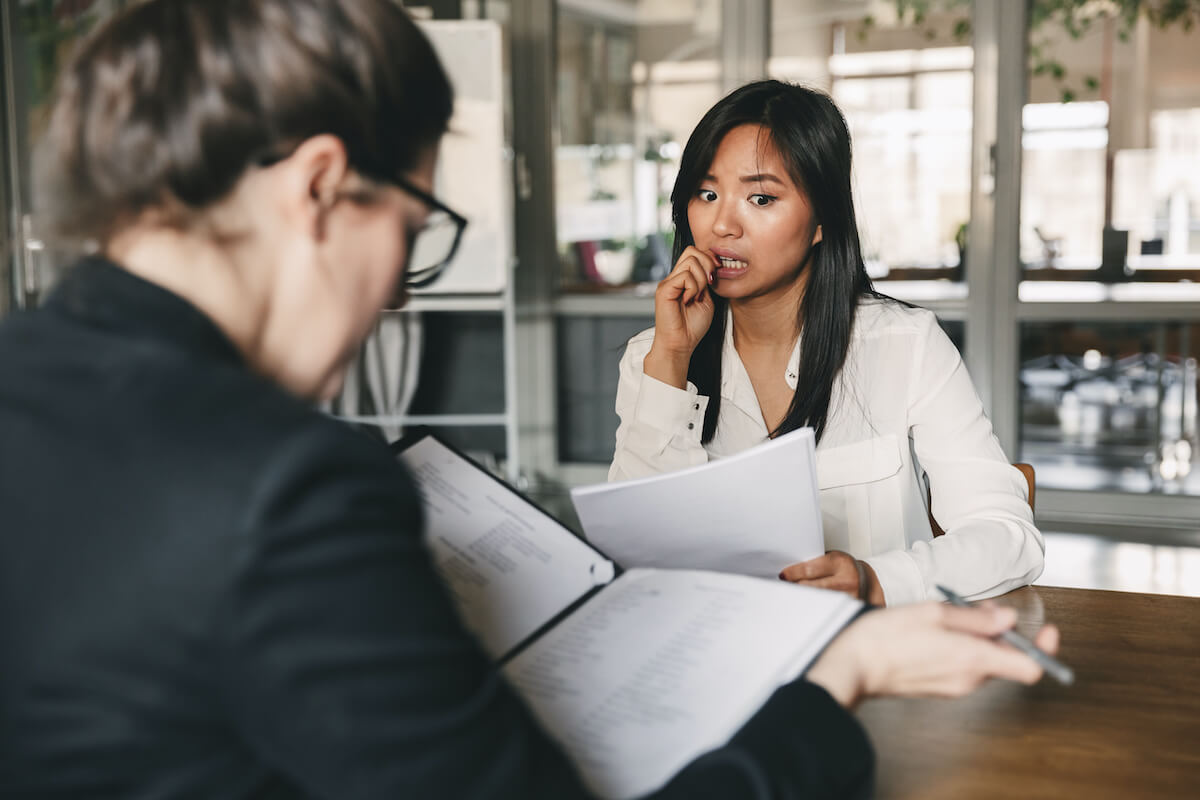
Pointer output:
x,y
208,589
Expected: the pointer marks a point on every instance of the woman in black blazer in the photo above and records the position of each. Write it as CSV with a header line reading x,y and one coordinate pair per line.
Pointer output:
x,y
208,588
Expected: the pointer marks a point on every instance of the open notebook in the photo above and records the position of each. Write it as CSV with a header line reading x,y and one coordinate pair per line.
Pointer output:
x,y
635,673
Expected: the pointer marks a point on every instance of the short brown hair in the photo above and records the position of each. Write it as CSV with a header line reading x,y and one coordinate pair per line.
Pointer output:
x,y
167,104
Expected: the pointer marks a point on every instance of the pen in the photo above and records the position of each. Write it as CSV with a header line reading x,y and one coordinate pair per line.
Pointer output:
x,y
1053,667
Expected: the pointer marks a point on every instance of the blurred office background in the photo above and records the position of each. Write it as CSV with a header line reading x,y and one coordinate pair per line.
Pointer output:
x,y
1028,170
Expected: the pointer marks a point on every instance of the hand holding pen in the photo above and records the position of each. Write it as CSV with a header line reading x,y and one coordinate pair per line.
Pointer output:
x,y
926,650
1053,667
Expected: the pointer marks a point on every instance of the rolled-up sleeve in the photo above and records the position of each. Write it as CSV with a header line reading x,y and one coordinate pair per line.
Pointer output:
x,y
991,544
661,425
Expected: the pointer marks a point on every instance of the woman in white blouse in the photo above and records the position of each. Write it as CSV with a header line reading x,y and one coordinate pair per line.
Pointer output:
x,y
768,323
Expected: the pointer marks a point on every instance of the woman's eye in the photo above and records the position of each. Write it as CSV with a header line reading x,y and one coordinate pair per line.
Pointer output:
x,y
707,195
761,199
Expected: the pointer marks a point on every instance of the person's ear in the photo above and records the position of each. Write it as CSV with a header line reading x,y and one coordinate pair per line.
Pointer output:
x,y
817,235
312,178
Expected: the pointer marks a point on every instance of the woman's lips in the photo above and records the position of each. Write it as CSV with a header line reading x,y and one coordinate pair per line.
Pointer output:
x,y
730,267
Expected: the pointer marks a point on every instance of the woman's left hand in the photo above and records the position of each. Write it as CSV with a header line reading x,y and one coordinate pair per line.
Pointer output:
x,y
838,571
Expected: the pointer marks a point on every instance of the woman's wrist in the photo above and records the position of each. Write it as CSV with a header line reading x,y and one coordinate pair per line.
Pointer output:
x,y
869,588
670,368
838,669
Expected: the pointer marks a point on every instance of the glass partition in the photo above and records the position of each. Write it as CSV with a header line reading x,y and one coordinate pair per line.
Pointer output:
x,y
904,82
1111,405
633,80
1110,249
39,37
1110,189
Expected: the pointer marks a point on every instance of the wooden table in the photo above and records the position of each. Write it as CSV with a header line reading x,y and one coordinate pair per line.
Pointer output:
x,y
1128,728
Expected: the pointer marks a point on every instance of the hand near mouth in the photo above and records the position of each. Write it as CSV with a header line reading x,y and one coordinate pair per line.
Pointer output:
x,y
683,311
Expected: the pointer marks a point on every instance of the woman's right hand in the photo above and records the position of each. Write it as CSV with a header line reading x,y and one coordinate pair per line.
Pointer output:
x,y
925,650
683,311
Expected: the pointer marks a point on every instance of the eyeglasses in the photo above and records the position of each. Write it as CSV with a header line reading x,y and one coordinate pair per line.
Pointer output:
x,y
431,248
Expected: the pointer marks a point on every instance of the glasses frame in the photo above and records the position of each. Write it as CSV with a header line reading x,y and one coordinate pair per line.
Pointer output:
x,y
422,277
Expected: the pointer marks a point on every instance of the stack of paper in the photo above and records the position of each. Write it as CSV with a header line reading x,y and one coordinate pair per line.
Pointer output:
x,y
754,513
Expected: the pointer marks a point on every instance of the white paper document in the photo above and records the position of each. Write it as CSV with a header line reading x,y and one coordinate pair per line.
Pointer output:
x,y
753,513
647,671
664,665
510,567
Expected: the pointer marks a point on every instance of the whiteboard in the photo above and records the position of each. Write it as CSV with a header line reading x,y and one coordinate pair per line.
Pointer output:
x,y
473,174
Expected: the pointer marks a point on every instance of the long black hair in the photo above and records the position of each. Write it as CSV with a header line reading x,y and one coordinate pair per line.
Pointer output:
x,y
810,134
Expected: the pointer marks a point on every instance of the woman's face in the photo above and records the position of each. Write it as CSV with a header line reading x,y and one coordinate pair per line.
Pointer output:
x,y
751,215
363,261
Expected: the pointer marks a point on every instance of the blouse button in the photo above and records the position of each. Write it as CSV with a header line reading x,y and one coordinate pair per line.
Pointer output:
x,y
696,407
691,425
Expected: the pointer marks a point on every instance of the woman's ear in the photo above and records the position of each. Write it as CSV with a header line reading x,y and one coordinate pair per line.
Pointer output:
x,y
311,179
817,235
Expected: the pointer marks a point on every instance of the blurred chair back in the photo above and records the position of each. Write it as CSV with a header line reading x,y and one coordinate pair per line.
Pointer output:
x,y
1026,470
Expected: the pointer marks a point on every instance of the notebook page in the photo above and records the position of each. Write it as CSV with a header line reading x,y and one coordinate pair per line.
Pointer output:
x,y
662,666
509,567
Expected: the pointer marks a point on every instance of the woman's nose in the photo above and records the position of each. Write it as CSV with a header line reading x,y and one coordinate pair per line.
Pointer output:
x,y
725,221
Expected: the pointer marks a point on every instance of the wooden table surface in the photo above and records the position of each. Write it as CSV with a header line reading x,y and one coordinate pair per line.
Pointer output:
x,y
1128,728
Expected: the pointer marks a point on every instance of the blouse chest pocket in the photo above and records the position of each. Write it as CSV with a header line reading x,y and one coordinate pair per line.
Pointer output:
x,y
860,507
862,462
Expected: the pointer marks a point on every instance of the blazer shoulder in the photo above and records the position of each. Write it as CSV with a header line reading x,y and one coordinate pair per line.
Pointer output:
x,y
286,428
257,437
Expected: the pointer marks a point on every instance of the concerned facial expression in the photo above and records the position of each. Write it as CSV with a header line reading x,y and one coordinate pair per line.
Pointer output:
x,y
751,215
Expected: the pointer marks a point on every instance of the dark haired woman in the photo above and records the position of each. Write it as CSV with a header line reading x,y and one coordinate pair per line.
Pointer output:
x,y
209,589
768,323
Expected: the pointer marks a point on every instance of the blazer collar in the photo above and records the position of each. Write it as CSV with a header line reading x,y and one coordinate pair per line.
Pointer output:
x,y
100,293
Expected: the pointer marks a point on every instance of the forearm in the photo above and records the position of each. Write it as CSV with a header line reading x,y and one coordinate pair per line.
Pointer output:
x,y
978,558
661,426
670,368
643,451
991,544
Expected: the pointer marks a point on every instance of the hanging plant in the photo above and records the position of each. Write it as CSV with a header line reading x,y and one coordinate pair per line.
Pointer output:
x,y
50,28
1074,17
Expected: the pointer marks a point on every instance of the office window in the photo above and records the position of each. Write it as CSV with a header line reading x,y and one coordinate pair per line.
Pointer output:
x,y
1060,217
633,80
40,35
906,91
1110,214
1111,405
1110,190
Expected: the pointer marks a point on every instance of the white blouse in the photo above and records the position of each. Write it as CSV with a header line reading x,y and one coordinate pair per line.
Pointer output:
x,y
903,415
